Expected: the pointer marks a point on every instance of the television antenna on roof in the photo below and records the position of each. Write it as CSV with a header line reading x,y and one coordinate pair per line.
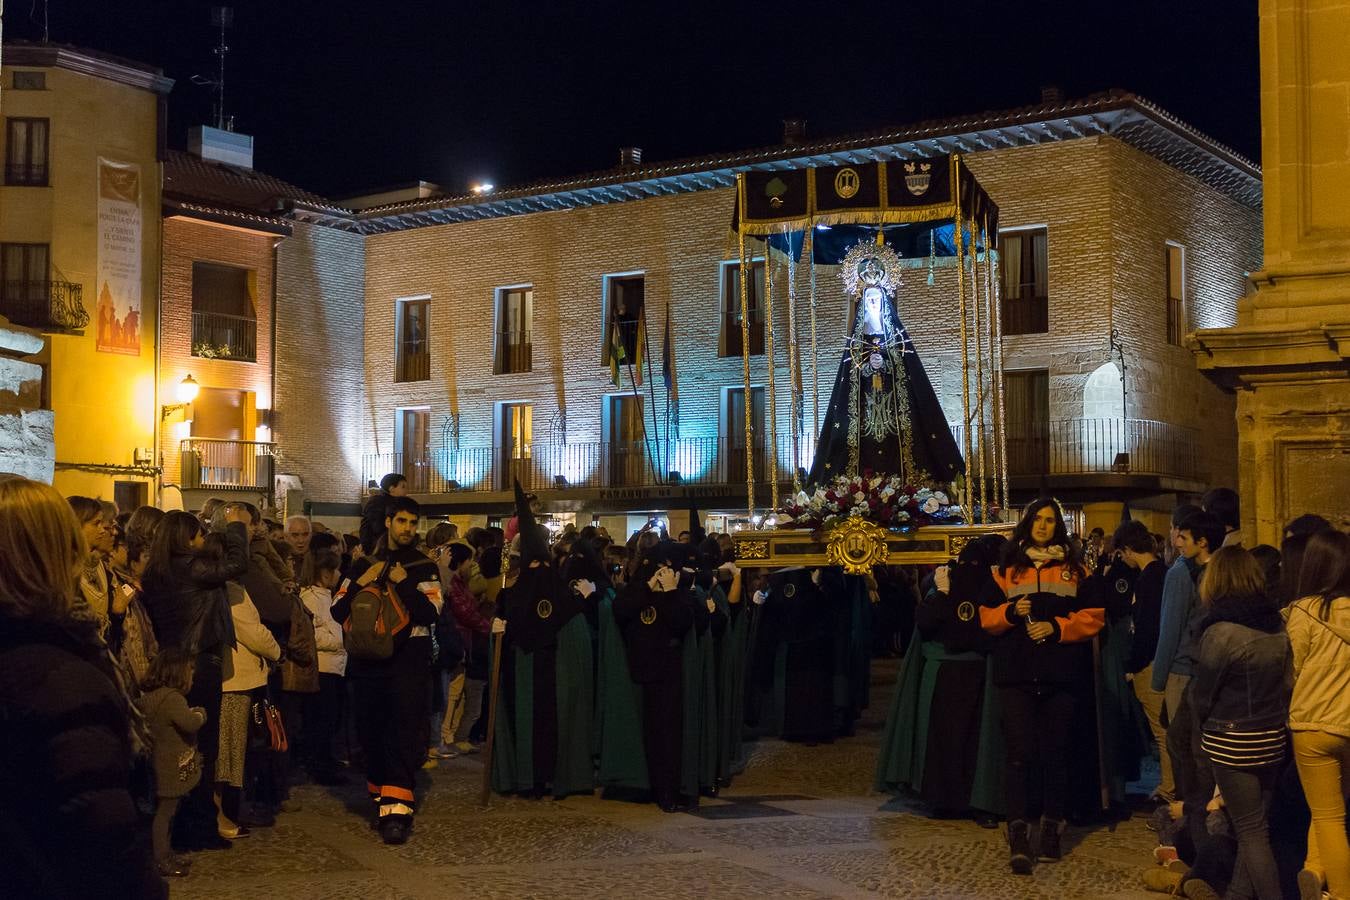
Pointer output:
x,y
222,17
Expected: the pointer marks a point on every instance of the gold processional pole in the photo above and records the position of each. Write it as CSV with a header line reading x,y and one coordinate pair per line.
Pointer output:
x,y
746,273
979,373
810,249
990,263
997,339
794,369
965,349
771,443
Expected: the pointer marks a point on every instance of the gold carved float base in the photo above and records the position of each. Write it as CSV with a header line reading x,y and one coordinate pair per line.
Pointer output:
x,y
856,545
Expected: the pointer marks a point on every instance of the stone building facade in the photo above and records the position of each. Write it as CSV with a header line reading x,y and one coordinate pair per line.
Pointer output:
x,y
1288,358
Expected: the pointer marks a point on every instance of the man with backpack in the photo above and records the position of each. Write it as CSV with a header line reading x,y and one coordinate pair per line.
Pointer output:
x,y
387,616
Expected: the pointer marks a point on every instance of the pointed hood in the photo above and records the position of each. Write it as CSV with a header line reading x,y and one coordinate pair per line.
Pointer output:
x,y
532,535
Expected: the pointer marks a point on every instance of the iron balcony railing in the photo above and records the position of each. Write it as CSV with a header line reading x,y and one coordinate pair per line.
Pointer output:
x,y
686,461
45,305
220,336
227,465
1056,447
1100,446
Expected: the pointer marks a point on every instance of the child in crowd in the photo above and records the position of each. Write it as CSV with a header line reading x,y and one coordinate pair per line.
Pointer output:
x,y
173,729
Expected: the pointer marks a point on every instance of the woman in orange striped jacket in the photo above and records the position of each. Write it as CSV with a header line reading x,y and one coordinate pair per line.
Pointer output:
x,y
1045,613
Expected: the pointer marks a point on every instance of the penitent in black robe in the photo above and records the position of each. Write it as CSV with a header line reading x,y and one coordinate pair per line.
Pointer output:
x,y
932,448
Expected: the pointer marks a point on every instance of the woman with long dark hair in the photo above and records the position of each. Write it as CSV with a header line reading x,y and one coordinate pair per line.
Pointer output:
x,y
186,597
1044,620
1319,713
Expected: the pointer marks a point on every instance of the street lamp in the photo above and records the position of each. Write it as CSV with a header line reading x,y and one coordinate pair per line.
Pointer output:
x,y
186,392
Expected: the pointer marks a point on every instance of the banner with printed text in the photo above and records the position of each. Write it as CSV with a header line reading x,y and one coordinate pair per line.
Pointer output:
x,y
118,313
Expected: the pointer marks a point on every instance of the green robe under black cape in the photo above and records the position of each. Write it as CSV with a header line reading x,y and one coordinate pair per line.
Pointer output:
x,y
513,754
904,742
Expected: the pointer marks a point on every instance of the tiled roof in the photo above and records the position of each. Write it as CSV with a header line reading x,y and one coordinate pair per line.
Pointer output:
x,y
1125,115
214,185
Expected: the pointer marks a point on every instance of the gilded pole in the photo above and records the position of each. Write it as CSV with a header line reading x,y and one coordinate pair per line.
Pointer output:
x,y
772,440
746,273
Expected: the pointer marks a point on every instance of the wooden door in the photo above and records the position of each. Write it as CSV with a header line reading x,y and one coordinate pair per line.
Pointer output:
x,y
515,446
627,450
415,448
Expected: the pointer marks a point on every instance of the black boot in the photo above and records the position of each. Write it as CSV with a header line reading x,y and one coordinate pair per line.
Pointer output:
x,y
1019,844
1049,847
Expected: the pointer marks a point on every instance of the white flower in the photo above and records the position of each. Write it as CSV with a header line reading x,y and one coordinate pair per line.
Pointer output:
x,y
942,498
922,494
902,499
887,492
931,505
801,499
859,496
901,515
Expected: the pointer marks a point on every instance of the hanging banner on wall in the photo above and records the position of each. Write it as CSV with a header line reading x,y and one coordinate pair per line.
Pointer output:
x,y
118,314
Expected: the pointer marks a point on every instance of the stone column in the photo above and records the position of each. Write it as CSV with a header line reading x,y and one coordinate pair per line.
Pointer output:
x,y
27,439
1288,359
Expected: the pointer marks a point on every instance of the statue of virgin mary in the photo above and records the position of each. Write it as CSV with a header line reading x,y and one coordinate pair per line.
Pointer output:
x,y
883,416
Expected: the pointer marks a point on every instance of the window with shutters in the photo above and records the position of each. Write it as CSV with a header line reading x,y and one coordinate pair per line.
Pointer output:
x,y
413,359
1176,293
26,152
732,342
515,323
1025,288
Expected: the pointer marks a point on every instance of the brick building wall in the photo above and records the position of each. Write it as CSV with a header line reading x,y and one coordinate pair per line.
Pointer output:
x,y
187,241
323,418
1108,209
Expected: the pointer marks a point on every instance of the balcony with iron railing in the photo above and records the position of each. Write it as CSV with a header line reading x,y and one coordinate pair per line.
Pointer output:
x,y
227,465
220,336
1106,446
1095,450
44,305
702,461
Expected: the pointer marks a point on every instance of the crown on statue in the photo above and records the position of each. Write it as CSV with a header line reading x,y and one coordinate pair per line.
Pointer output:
x,y
869,264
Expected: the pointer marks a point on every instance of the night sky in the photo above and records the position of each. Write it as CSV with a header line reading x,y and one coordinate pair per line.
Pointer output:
x,y
344,95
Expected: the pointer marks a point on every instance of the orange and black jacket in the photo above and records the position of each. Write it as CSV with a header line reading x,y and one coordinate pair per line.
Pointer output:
x,y
1060,594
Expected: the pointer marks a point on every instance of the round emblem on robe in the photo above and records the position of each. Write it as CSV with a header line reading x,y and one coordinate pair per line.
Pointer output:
x,y
965,611
1122,586
846,183
648,615
1066,575
789,590
544,609
875,361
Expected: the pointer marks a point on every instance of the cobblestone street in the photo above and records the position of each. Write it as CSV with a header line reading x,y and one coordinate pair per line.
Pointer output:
x,y
800,822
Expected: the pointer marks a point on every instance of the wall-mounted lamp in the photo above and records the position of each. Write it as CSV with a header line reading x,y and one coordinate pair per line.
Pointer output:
x,y
186,392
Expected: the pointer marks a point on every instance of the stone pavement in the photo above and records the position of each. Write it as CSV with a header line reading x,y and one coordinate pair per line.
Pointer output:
x,y
800,822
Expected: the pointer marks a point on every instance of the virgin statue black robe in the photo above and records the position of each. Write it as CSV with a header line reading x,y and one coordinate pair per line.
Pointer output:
x,y
881,405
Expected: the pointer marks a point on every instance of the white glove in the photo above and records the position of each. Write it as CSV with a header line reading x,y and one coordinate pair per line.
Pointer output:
x,y
759,597
498,626
730,568
665,579
815,577
942,578
583,586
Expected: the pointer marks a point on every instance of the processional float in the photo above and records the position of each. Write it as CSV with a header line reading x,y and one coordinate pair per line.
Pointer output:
x,y
887,484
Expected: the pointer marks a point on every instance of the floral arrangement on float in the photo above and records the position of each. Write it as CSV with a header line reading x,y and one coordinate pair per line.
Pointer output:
x,y
889,501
